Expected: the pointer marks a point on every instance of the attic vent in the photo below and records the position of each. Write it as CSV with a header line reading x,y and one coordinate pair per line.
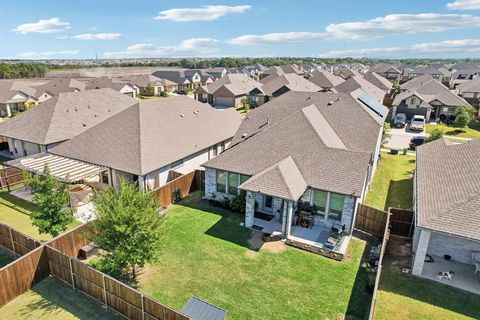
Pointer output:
x,y
76,109
195,113
108,110
244,135
309,97
84,124
182,115
88,107
67,110
329,103
95,115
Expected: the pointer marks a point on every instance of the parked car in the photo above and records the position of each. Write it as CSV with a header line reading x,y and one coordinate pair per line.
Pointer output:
x,y
400,120
417,123
416,141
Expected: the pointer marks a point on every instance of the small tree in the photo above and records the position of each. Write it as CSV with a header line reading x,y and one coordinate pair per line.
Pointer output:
x,y
51,196
463,117
245,104
149,90
386,135
436,134
127,227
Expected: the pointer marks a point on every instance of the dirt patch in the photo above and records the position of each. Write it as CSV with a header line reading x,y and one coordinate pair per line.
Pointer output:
x,y
274,246
256,243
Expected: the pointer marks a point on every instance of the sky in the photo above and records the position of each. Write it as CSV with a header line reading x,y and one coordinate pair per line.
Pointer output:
x,y
55,29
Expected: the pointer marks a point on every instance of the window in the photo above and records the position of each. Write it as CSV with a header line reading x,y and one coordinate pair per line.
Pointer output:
x,y
305,199
221,181
215,150
320,201
222,147
233,183
243,178
336,206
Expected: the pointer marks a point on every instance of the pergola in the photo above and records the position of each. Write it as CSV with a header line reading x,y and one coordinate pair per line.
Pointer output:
x,y
64,169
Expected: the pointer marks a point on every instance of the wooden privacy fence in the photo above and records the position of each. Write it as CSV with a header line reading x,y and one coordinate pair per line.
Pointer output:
x,y
20,275
10,177
15,241
58,258
183,185
371,220
401,222
108,291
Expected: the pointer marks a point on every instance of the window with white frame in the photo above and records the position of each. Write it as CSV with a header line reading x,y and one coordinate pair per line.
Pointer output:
x,y
325,203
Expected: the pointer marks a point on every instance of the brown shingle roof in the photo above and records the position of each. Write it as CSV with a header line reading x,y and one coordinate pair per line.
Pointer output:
x,y
152,134
292,81
448,187
280,129
325,79
237,84
65,116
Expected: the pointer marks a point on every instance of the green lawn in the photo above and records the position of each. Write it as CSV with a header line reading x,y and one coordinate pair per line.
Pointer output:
x,y
392,185
241,109
15,212
206,253
403,296
52,300
472,131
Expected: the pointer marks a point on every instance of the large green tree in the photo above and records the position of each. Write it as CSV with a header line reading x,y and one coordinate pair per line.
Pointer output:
x,y
51,196
128,228
463,117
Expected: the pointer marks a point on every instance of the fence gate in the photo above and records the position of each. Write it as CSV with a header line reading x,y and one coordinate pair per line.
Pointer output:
x,y
371,220
401,222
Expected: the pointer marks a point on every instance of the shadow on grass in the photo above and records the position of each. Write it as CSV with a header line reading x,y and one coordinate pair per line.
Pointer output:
x,y
18,204
56,296
359,303
400,194
227,228
435,294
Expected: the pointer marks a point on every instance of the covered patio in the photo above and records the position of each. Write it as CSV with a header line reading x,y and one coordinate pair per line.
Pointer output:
x,y
82,178
464,276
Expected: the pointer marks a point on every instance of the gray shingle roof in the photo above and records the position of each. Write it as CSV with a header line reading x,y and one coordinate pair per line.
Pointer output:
x,y
280,129
325,79
383,68
152,134
358,82
237,84
144,79
176,76
291,81
65,116
470,86
448,187
416,82
378,81
59,85
7,92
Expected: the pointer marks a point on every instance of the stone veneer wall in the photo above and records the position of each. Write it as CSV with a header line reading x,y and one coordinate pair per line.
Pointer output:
x,y
348,212
459,249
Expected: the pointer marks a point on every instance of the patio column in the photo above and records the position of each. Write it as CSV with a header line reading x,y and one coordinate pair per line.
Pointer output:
x,y
249,209
419,258
9,110
284,217
289,217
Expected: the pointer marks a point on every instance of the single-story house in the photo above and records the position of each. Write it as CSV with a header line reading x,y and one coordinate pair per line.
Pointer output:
x,y
280,85
302,167
13,100
148,140
437,71
447,206
55,86
254,71
227,91
281,70
358,82
216,72
387,71
158,85
378,81
61,118
431,99
347,73
325,79
470,91
115,84
178,76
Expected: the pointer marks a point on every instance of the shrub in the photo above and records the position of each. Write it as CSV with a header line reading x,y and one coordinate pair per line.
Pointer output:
x,y
435,134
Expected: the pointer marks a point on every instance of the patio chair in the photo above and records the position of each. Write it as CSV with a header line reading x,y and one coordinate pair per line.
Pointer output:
x,y
336,231
476,261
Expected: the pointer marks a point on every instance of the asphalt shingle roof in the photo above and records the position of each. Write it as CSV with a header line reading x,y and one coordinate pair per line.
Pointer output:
x,y
448,187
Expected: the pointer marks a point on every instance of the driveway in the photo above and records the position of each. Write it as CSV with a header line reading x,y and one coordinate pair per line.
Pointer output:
x,y
400,137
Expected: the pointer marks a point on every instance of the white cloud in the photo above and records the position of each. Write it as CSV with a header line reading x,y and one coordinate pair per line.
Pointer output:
x,y
395,24
51,25
280,37
380,27
97,36
463,47
464,5
196,47
46,54
205,13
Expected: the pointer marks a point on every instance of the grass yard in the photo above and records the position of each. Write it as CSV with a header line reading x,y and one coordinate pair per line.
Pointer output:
x,y
52,300
392,185
472,131
16,213
407,297
241,109
206,253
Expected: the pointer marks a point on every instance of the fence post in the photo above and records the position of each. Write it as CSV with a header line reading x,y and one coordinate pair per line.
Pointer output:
x,y
6,179
143,308
104,291
13,242
71,273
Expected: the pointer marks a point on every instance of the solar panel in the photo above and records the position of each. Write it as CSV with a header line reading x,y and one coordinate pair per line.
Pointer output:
x,y
373,105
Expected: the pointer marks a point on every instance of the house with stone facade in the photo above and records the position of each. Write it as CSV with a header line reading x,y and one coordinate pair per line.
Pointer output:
x,y
303,161
447,210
